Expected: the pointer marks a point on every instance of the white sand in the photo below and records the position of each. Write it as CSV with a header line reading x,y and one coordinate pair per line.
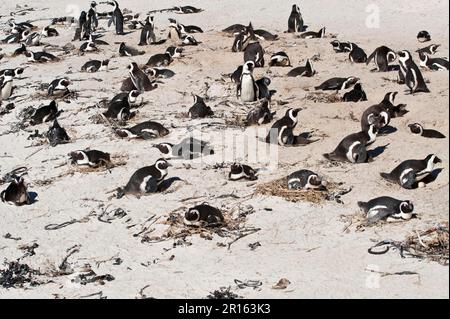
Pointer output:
x,y
303,243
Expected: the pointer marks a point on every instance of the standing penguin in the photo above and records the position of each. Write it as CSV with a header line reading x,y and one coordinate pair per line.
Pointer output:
x,y
139,78
81,32
382,56
247,89
295,22
92,18
387,208
412,75
117,17
16,193
199,109
6,84
146,179
411,173
148,32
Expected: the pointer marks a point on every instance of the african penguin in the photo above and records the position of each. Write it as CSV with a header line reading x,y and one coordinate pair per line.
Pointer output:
x,y
313,35
146,179
145,130
95,65
295,21
116,18
435,64
394,110
125,50
423,36
305,179
159,73
387,208
203,214
57,134
147,33
382,56
49,32
247,89
45,113
307,70
259,115
357,54
279,59
186,9
412,75
21,50
357,94
6,84
340,47
254,52
40,56
431,49
199,109
58,87
411,173
338,83
140,80
16,193
418,129
375,115
241,171
188,148
91,158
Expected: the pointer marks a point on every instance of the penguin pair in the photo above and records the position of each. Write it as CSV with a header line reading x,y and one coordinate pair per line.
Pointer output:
x,y
40,57
145,130
91,158
242,171
58,87
16,37
16,193
145,180
411,174
313,35
304,180
435,64
57,135
307,70
44,114
410,74
387,208
249,90
295,21
199,109
418,129
204,215
125,50
179,31
382,56
338,84
119,108
95,66
188,149
260,115
282,131
357,94
164,59
139,79
353,148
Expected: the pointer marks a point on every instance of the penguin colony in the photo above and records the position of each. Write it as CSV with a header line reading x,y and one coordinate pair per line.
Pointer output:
x,y
353,147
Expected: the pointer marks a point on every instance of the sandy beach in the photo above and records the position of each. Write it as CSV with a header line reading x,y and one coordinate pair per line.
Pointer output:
x,y
318,247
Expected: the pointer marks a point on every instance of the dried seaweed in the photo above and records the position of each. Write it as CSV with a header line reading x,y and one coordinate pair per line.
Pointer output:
x,y
320,97
223,293
16,275
278,188
431,244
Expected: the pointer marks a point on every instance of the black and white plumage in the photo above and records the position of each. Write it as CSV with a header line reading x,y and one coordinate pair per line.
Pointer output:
x,y
148,32
423,36
40,57
33,39
16,72
387,208
418,129
279,59
145,130
48,32
394,110
45,113
203,214
247,89
16,193
431,49
242,171
159,73
88,46
234,29
140,80
95,66
6,84
357,94
295,21
357,54
435,64
58,87
254,52
119,108
305,179
188,148
116,18
145,180
91,158
410,73
186,9
199,109
259,115
340,47
16,37
57,134
353,147
188,39
411,173
313,35
382,56
263,88
21,50
125,50
307,70
338,83
376,115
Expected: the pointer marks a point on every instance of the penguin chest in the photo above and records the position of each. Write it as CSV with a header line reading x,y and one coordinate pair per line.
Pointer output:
x,y
248,93
7,90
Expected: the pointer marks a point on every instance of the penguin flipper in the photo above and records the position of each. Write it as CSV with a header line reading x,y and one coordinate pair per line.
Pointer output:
x,y
371,57
387,176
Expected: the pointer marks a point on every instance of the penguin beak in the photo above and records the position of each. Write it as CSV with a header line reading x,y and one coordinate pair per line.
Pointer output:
x,y
438,160
298,110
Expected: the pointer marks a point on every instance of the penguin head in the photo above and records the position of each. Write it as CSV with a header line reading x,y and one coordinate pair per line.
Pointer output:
x,y
248,66
162,164
295,9
314,180
165,148
105,62
236,169
423,36
433,159
25,34
390,97
77,156
335,43
133,95
407,207
122,46
434,47
132,67
197,99
18,71
372,130
64,82
8,75
192,215
151,72
416,128
173,22
404,55
293,113
93,4
351,81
